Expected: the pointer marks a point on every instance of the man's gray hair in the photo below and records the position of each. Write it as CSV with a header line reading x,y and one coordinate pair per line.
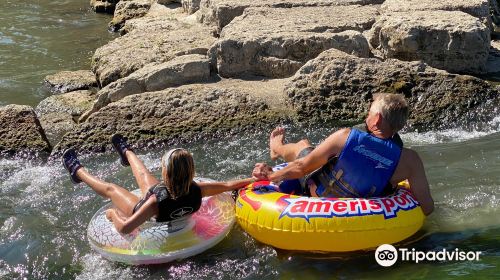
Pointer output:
x,y
393,108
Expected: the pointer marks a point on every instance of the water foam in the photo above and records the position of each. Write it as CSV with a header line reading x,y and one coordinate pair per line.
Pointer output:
x,y
451,135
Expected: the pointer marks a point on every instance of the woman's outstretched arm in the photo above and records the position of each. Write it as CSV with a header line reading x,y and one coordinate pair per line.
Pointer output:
x,y
213,188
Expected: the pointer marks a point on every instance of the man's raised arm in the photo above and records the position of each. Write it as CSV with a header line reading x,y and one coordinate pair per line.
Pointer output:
x,y
316,159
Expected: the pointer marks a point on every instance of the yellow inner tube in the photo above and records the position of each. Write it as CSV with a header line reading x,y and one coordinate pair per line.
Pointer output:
x,y
294,222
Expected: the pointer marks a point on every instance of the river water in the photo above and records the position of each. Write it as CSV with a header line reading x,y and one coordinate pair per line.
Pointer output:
x,y
43,217
42,37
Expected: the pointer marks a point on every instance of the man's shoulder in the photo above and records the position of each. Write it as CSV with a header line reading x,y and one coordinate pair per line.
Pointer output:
x,y
335,142
345,130
408,156
343,134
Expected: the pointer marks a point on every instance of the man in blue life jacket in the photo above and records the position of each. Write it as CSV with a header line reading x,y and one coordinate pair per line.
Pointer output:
x,y
365,162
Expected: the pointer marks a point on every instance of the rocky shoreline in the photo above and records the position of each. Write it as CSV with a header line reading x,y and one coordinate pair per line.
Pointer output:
x,y
194,69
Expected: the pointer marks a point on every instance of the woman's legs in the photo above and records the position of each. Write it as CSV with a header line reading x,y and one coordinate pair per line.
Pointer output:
x,y
288,152
144,178
122,199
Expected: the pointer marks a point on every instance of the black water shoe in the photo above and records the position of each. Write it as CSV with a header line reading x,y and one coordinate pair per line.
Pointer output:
x,y
121,146
72,164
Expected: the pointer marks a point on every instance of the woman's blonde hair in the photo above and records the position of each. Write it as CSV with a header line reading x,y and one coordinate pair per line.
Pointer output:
x,y
393,108
179,166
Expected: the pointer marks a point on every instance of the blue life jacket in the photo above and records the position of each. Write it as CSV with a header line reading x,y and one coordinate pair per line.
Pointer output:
x,y
363,169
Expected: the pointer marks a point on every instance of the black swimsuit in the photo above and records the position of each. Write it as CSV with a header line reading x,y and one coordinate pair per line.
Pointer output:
x,y
170,209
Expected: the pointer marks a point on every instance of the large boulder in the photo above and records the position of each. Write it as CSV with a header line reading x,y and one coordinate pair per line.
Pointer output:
x,y
21,131
67,81
453,41
149,40
475,8
185,113
153,77
338,87
276,42
221,12
128,9
58,113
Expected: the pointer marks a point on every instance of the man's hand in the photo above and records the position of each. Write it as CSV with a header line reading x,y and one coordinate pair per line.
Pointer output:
x,y
262,171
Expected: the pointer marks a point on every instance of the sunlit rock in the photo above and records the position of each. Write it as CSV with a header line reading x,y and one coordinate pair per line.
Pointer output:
x,y
221,12
453,41
129,9
476,8
67,81
149,40
58,113
276,42
153,77
338,87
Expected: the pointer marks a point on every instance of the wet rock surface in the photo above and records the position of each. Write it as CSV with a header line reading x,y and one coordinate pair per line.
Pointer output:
x,y
67,81
185,113
338,87
492,67
21,131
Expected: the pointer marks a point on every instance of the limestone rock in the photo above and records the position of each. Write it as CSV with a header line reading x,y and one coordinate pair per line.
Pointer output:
x,y
149,40
103,6
187,113
153,77
56,125
74,103
276,42
67,81
160,17
128,9
338,87
221,12
453,41
21,131
476,8
57,113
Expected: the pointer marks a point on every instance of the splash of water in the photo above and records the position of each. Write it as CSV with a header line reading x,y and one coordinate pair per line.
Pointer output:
x,y
452,135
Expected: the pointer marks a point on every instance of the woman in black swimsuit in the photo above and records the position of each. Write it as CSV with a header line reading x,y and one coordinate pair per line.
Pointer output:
x,y
175,197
